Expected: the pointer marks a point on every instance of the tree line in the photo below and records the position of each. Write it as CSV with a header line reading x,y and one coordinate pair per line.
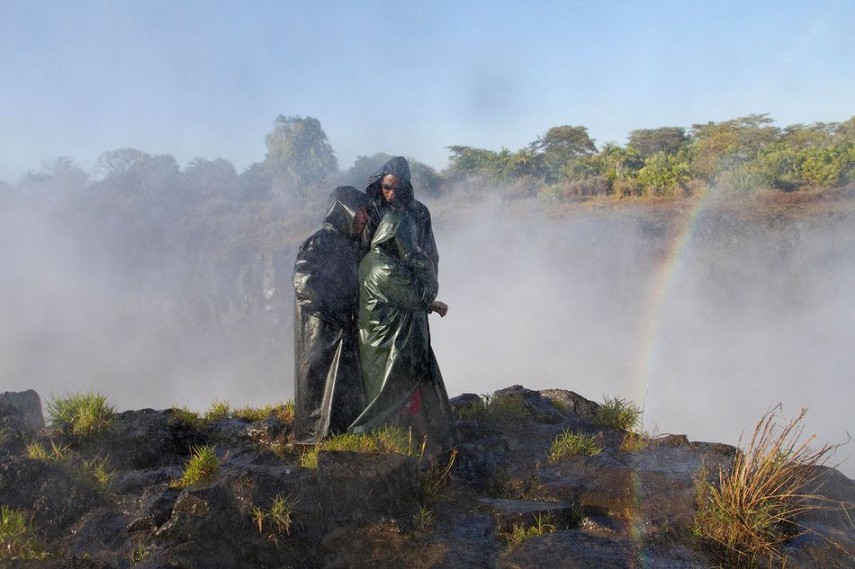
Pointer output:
x,y
143,209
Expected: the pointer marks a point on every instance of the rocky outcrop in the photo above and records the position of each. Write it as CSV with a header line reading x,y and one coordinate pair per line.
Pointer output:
x,y
500,503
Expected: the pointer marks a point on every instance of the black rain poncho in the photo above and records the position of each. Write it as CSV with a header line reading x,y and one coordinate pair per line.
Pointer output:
x,y
405,200
328,392
403,384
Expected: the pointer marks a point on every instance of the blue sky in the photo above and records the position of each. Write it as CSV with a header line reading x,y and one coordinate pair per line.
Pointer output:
x,y
207,79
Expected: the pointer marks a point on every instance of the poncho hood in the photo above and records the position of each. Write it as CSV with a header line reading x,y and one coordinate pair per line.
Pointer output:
x,y
400,168
344,202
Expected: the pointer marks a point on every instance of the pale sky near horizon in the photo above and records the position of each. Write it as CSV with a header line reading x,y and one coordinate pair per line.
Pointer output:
x,y
207,79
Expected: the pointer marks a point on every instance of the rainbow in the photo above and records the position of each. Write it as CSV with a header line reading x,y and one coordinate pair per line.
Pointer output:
x,y
663,281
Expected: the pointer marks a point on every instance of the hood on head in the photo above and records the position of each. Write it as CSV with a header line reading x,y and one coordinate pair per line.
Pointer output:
x,y
344,202
400,168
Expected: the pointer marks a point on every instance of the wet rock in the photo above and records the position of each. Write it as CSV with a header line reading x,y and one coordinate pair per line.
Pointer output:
x,y
615,509
525,513
55,494
367,487
571,402
21,411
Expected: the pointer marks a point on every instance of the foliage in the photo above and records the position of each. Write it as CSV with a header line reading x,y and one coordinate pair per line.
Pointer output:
x,y
82,415
202,468
217,411
571,444
284,412
562,147
185,416
618,413
667,139
633,442
753,508
435,477
17,537
500,407
385,440
718,147
298,154
276,521
57,453
423,519
506,406
543,524
663,175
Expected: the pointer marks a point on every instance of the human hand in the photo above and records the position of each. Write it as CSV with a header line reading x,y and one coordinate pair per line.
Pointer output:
x,y
439,307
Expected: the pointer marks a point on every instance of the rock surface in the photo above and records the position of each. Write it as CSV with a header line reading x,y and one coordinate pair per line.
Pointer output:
x,y
614,509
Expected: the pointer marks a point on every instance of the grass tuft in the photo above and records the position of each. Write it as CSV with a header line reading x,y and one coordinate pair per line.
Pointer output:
x,y
183,416
17,538
202,468
507,406
570,444
634,442
436,477
423,520
752,511
618,413
543,525
277,521
82,415
218,410
385,440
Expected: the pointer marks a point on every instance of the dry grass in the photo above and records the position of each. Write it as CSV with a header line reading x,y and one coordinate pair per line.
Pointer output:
x,y
754,508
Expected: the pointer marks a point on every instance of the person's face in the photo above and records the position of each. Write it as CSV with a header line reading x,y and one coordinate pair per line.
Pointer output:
x,y
389,186
359,220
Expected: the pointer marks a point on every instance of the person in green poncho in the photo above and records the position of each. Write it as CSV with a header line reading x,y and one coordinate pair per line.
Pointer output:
x,y
402,380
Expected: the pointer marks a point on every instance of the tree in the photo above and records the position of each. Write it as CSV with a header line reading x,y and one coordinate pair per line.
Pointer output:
x,y
663,175
206,179
560,145
298,153
718,147
667,139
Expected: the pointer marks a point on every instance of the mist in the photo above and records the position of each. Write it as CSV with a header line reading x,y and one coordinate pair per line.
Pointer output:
x,y
704,316
707,321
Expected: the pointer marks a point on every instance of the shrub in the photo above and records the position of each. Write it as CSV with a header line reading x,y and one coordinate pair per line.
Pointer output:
x,y
82,415
618,413
385,440
203,467
751,511
17,539
570,444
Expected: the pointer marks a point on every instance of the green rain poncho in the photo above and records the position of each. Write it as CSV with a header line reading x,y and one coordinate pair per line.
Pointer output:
x,y
403,384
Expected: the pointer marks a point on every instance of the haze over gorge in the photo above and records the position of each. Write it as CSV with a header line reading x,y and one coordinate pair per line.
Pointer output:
x,y
707,311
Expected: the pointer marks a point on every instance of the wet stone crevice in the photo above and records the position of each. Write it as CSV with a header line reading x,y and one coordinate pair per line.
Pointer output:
x,y
503,503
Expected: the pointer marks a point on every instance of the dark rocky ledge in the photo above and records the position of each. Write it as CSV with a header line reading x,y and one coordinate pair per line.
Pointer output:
x,y
614,509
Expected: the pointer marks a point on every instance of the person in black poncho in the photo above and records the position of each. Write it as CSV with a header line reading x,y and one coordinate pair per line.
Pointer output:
x,y
328,392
